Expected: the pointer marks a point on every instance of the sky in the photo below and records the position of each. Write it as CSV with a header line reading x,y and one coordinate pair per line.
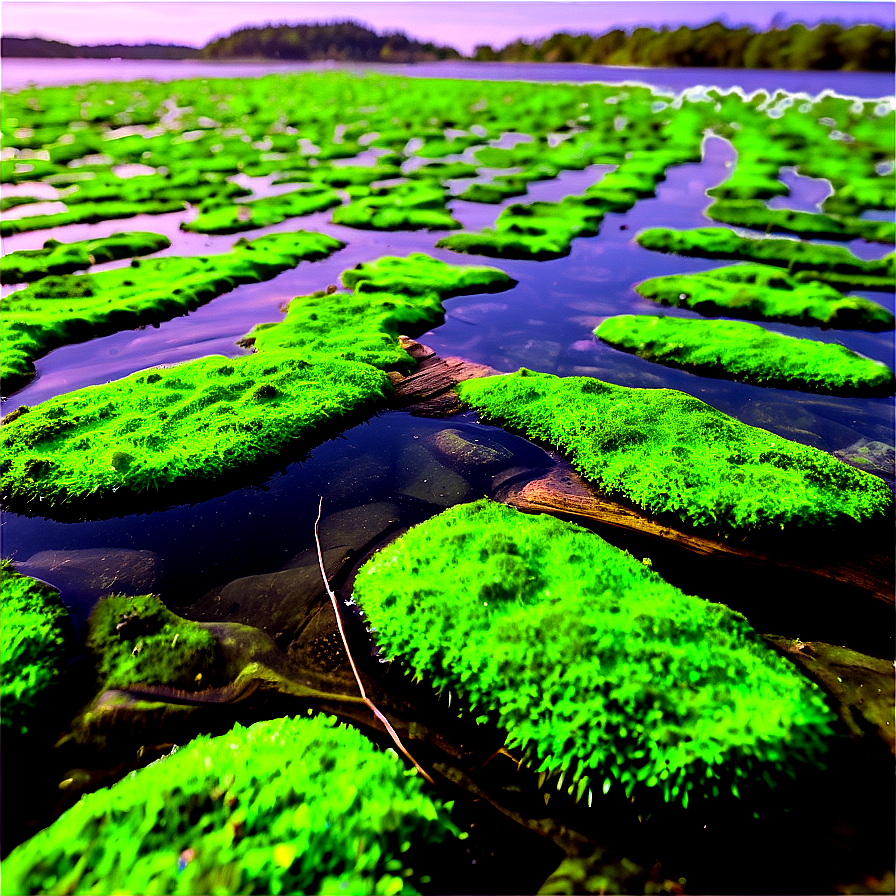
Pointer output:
x,y
458,23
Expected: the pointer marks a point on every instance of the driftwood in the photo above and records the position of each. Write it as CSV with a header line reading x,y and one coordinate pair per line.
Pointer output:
x,y
562,491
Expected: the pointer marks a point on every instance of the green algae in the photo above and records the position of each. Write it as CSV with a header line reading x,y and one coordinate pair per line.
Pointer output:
x,y
138,640
391,297
65,258
33,647
748,353
601,673
758,216
55,311
406,206
765,292
816,262
284,806
669,453
182,425
256,213
90,213
351,175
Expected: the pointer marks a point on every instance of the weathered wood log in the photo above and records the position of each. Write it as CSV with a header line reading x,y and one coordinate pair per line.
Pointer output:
x,y
562,491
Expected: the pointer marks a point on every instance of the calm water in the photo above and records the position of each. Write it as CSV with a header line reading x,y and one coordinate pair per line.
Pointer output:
x,y
17,73
544,323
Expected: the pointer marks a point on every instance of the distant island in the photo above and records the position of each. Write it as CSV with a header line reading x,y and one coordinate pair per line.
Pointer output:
x,y
340,41
824,47
39,48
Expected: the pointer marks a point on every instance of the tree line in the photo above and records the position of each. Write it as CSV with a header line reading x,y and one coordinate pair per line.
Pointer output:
x,y
826,46
39,48
341,41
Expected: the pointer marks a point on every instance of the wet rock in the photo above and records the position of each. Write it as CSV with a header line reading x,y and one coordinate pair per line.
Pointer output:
x,y
84,576
862,685
468,452
277,603
420,475
356,476
872,456
351,530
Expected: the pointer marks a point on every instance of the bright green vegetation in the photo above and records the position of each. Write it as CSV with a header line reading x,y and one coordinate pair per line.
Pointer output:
x,y
212,417
669,453
542,230
192,185
764,292
749,353
32,646
284,806
255,213
71,308
351,175
599,671
138,640
833,264
64,258
89,213
196,421
757,215
413,205
391,296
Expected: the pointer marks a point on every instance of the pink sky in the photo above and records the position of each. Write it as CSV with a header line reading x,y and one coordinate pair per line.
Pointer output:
x,y
458,24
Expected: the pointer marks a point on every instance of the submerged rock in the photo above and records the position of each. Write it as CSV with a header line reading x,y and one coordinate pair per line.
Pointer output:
x,y
420,475
872,456
469,452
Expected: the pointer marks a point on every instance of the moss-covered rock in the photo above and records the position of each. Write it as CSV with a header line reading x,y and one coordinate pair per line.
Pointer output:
x,y
64,258
33,648
255,213
415,205
186,424
833,264
138,640
765,292
670,453
758,216
285,806
601,672
72,308
749,353
90,213
392,296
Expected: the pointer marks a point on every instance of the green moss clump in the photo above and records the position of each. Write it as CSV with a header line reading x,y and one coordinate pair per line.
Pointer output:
x,y
33,649
757,215
196,421
352,175
816,262
262,212
90,213
671,454
392,296
64,258
748,353
72,308
415,205
764,292
285,806
138,640
599,671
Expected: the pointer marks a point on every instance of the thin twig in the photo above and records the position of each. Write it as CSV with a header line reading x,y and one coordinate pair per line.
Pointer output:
x,y
348,653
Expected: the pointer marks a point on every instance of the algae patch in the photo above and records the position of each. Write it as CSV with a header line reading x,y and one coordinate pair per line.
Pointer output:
x,y
670,453
748,353
602,674
284,806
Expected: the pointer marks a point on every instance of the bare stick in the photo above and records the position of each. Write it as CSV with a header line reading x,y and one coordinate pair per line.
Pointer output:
x,y
348,653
